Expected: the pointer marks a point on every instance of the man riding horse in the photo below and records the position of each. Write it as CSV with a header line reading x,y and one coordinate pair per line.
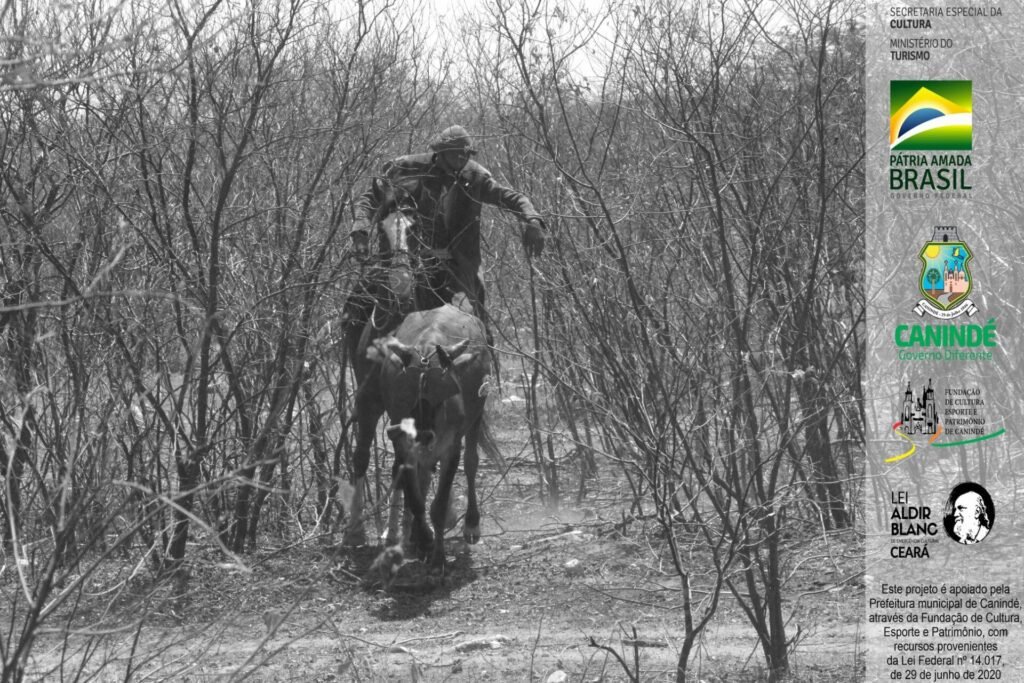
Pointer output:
x,y
446,190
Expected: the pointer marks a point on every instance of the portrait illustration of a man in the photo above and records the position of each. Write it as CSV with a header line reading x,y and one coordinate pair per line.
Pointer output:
x,y
969,513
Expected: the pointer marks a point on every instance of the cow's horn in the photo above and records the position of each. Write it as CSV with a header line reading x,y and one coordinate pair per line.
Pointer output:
x,y
447,355
404,352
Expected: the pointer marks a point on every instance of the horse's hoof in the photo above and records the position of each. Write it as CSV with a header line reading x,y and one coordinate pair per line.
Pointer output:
x,y
471,534
437,563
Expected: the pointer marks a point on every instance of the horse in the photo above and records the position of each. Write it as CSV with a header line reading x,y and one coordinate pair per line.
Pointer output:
x,y
393,290
388,290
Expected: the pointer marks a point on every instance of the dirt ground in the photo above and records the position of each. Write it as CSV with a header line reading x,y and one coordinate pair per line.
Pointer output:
x,y
542,593
550,594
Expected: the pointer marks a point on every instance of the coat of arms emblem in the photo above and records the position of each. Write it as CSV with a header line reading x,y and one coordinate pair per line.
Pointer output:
x,y
945,278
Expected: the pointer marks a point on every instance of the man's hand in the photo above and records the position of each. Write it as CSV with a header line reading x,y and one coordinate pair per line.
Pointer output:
x,y
533,237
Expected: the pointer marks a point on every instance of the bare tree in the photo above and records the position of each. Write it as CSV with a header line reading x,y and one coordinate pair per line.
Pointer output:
x,y
703,305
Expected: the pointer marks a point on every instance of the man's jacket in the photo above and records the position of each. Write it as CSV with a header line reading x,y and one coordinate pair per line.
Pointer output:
x,y
448,205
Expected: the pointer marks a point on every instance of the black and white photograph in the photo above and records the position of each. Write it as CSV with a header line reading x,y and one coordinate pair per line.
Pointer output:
x,y
555,341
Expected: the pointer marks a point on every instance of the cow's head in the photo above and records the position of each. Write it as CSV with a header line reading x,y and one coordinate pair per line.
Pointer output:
x,y
397,356
409,440
423,386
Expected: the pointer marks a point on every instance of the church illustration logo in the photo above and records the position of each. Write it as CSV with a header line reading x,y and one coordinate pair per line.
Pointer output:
x,y
919,416
941,415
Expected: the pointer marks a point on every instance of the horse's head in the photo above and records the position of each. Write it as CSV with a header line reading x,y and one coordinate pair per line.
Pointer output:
x,y
395,219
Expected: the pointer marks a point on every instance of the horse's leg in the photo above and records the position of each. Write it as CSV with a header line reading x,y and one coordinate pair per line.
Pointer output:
x,y
471,525
368,412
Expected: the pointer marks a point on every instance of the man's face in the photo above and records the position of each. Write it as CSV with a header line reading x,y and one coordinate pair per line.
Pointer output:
x,y
967,518
452,160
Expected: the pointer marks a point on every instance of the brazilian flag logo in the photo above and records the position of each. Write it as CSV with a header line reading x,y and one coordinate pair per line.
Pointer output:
x,y
930,115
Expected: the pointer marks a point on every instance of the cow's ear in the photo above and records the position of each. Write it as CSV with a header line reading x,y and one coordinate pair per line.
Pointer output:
x,y
405,353
448,354
377,352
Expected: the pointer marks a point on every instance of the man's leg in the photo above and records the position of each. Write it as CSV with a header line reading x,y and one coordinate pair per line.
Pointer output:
x,y
432,288
355,315
445,283
477,297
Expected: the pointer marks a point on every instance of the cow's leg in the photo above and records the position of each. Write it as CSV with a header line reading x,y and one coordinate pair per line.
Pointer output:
x,y
396,504
368,412
471,525
439,508
450,518
420,537
406,497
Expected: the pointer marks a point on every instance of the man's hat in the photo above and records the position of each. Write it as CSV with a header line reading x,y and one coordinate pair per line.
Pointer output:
x,y
453,138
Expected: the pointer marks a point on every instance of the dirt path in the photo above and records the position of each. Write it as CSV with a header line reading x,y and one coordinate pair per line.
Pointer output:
x,y
523,605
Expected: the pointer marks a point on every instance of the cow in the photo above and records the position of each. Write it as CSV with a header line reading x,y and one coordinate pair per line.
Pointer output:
x,y
430,375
